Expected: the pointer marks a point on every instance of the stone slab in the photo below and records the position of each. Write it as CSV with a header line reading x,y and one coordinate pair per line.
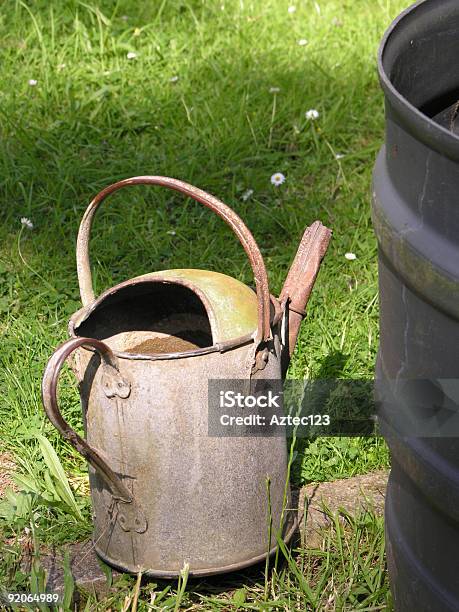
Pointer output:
x,y
350,495
85,566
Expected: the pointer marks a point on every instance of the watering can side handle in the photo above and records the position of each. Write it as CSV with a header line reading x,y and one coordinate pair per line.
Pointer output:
x,y
222,210
112,380
301,277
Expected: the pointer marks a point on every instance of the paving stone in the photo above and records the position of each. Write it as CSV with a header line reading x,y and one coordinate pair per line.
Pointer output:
x,y
349,494
85,566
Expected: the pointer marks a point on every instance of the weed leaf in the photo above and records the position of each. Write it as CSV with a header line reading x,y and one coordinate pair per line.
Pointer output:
x,y
62,484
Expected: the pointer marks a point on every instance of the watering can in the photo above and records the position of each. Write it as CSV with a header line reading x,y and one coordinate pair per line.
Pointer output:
x,y
164,492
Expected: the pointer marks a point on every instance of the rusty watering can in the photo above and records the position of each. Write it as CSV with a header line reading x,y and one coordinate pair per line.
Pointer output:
x,y
163,491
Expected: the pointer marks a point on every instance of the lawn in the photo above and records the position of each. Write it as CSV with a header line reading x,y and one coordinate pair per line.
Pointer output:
x,y
214,93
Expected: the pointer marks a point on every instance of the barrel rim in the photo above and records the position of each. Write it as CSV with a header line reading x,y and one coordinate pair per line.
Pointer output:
x,y
417,123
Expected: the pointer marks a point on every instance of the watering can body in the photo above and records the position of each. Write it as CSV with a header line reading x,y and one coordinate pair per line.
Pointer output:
x,y
164,492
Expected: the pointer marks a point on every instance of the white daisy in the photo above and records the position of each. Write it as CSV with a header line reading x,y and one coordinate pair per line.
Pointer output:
x,y
27,223
247,194
302,42
274,89
350,256
277,179
32,82
312,114
173,79
131,55
291,9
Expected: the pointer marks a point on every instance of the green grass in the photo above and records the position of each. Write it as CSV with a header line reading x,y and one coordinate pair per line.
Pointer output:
x,y
95,116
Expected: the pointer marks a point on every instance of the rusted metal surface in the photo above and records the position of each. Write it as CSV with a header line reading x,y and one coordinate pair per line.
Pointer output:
x,y
114,385
230,305
199,494
302,276
164,491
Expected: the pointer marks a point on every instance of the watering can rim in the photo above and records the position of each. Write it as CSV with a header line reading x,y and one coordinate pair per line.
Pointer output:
x,y
165,277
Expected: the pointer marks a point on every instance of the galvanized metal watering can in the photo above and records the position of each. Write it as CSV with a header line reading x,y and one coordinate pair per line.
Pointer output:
x,y
163,491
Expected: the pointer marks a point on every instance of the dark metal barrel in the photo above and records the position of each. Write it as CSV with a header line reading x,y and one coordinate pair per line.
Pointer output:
x,y
416,220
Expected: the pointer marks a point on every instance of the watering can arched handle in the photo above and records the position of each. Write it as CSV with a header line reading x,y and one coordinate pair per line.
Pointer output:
x,y
114,384
222,210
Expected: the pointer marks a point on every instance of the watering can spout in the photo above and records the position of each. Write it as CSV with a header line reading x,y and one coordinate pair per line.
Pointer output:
x,y
300,282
